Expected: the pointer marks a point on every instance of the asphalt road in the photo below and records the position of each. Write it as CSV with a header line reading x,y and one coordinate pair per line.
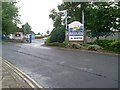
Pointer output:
x,y
61,68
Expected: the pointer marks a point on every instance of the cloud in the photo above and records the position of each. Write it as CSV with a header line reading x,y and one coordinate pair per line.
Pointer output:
x,y
36,13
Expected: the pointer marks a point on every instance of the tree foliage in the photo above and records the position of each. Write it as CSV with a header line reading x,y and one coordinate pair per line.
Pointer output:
x,y
58,33
48,32
102,18
26,28
10,17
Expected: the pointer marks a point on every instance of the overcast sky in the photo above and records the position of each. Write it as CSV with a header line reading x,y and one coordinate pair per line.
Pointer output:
x,y
36,13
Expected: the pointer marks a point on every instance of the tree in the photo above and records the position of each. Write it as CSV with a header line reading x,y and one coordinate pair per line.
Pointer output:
x,y
74,10
58,33
22,29
38,34
32,32
10,17
26,28
101,17
56,17
48,32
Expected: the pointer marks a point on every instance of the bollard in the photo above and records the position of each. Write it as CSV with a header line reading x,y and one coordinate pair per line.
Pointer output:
x,y
30,38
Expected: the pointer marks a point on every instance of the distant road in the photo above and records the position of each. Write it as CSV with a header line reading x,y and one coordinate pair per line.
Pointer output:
x,y
59,68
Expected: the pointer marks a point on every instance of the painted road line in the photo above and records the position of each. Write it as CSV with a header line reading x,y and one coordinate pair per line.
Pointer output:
x,y
30,84
25,77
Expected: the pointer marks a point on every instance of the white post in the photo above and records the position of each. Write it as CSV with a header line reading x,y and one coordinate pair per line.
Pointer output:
x,y
84,31
66,20
84,36
83,19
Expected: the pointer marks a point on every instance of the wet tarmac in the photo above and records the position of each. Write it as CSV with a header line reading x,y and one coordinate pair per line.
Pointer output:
x,y
61,68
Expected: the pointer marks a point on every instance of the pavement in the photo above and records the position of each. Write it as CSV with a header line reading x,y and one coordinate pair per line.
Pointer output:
x,y
61,68
12,77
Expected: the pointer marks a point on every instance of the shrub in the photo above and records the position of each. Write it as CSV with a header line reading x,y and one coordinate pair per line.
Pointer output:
x,y
90,43
48,40
58,35
115,46
110,45
103,43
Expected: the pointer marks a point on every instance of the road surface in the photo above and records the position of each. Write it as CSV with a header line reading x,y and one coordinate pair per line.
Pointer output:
x,y
61,68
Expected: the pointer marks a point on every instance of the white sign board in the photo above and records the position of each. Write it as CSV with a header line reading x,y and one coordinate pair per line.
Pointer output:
x,y
76,31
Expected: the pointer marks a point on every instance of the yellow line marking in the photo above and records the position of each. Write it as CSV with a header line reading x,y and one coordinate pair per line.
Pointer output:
x,y
12,67
31,85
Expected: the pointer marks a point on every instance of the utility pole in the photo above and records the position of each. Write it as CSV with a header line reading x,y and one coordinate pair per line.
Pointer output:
x,y
83,18
84,31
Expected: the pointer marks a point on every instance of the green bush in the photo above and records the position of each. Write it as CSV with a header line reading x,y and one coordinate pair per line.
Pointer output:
x,y
110,45
103,43
58,35
90,43
115,46
48,40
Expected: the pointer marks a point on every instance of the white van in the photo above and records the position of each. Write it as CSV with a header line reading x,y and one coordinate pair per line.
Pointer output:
x,y
18,36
